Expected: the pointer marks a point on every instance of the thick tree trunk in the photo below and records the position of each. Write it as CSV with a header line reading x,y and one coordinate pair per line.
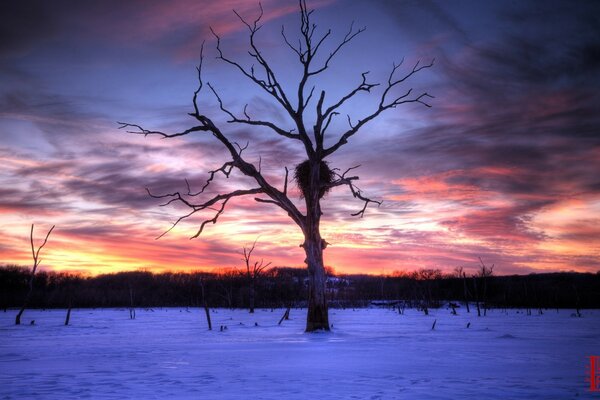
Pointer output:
x,y
318,315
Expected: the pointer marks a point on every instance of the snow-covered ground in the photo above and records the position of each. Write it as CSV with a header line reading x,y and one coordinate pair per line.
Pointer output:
x,y
370,354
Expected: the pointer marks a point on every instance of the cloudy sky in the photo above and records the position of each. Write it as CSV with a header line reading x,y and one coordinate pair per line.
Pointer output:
x,y
504,166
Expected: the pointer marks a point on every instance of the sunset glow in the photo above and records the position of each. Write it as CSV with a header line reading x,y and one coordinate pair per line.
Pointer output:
x,y
504,166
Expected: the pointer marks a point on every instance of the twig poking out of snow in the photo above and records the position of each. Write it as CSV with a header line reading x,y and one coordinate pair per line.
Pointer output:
x,y
285,316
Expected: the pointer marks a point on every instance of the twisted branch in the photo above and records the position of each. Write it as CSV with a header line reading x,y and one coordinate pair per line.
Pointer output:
x,y
385,103
356,192
220,200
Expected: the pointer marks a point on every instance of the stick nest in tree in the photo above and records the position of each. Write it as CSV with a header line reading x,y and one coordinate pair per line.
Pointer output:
x,y
302,177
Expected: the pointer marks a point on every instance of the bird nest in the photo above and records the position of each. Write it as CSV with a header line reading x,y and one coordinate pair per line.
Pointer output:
x,y
302,177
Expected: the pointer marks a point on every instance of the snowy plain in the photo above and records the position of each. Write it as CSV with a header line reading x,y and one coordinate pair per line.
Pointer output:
x,y
168,353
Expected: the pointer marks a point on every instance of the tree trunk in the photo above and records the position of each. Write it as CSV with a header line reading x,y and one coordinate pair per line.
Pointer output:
x,y
207,312
26,301
18,317
318,316
68,317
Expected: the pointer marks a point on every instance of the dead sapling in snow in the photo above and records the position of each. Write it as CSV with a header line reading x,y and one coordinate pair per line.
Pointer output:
x,y
36,262
453,307
286,316
131,304
253,273
69,291
205,304
68,317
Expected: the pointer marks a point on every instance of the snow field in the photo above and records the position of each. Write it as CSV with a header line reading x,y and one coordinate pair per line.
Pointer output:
x,y
370,354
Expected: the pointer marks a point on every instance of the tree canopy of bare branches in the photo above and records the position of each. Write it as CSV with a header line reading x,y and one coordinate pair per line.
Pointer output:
x,y
310,51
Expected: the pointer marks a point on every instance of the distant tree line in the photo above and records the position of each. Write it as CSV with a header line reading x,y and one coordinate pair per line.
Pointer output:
x,y
287,287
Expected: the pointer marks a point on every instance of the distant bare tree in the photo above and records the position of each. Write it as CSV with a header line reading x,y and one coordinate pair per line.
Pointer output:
x,y
314,175
423,280
253,273
226,284
484,273
36,262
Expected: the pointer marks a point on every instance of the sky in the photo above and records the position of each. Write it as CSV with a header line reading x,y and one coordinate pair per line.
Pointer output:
x,y
503,166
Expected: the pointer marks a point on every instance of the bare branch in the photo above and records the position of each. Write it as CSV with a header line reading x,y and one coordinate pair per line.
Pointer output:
x,y
260,267
220,200
285,182
295,50
308,97
249,121
362,87
226,169
36,253
199,69
349,36
356,192
260,200
385,103
146,132
271,84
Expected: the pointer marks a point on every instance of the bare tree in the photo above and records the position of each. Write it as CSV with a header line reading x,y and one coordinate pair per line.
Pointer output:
x,y
484,272
36,262
226,284
253,273
313,176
